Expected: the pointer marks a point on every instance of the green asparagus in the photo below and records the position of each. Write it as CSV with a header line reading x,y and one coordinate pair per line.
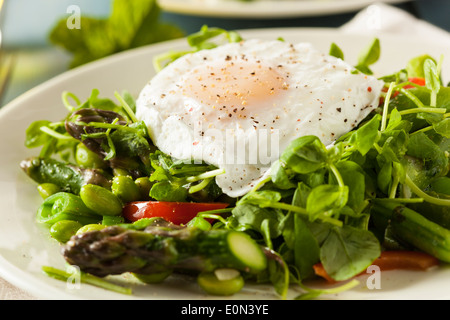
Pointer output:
x,y
413,228
67,177
162,246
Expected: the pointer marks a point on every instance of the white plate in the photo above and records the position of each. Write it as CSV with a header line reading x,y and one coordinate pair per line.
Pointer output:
x,y
262,9
25,246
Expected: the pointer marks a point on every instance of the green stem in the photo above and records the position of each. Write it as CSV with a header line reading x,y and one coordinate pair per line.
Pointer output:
x,y
55,134
170,56
302,211
386,106
424,109
215,214
200,169
65,99
407,200
337,175
104,125
200,186
126,107
394,186
206,175
84,278
408,83
261,183
377,147
428,128
315,292
413,98
426,197
423,130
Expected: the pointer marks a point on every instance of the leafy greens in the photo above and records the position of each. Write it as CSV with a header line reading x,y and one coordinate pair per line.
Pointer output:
x,y
131,24
316,205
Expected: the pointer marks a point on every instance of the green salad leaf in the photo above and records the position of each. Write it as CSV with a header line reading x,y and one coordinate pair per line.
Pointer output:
x,y
131,24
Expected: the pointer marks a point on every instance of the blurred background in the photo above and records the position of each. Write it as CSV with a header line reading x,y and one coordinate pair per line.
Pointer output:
x,y
26,26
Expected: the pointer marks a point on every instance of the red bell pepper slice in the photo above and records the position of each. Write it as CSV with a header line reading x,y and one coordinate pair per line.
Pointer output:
x,y
175,212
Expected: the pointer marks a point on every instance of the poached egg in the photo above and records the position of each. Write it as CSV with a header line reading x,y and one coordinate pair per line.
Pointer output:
x,y
238,106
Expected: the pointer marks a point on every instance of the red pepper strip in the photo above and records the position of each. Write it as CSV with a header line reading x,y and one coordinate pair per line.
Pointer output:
x,y
417,81
392,260
175,212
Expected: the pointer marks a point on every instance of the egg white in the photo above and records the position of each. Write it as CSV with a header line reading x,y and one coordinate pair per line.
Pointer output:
x,y
238,106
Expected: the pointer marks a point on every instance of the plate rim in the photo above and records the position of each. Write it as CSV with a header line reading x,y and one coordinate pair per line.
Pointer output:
x,y
266,10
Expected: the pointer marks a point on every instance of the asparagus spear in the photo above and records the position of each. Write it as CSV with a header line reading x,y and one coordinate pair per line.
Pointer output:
x,y
107,134
68,177
413,228
158,248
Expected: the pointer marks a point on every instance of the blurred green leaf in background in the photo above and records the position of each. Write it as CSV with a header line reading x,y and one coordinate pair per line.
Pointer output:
x,y
131,24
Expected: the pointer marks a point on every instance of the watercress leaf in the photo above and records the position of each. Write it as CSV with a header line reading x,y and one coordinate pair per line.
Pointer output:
x,y
364,69
434,158
301,195
305,154
335,152
263,198
200,39
159,159
365,136
422,147
287,224
129,99
415,66
306,248
130,143
348,251
279,274
167,191
430,117
279,176
315,178
398,77
34,137
325,198
399,171
394,120
253,215
419,121
102,103
369,56
443,127
335,51
353,176
394,144
141,127
441,185
160,175
432,81
384,177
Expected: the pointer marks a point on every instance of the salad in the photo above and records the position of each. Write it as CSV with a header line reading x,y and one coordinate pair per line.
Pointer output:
x,y
379,195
